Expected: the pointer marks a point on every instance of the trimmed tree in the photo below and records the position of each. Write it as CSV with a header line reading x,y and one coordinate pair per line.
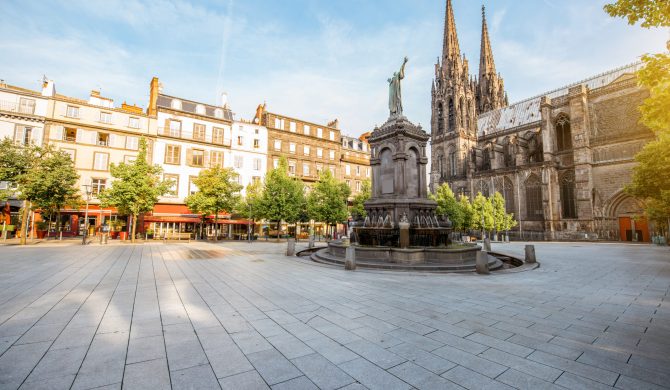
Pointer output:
x,y
468,214
482,218
448,205
358,204
503,220
136,187
283,196
218,190
327,201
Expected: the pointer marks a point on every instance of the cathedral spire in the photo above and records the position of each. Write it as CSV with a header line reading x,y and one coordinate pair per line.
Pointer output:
x,y
486,64
450,46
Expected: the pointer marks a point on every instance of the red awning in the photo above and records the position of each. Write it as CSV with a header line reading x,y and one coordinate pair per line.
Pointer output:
x,y
167,218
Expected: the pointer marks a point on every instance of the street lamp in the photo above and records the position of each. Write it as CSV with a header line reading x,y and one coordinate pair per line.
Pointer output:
x,y
249,228
87,192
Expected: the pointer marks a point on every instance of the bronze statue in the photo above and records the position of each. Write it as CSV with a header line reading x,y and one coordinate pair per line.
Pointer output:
x,y
395,93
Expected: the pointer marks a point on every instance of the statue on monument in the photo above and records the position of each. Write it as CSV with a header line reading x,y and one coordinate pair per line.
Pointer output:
x,y
395,93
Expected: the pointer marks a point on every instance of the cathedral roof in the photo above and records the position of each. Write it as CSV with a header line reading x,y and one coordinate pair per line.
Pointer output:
x,y
527,111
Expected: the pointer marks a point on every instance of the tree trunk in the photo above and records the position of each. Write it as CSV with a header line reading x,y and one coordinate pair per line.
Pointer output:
x,y
216,225
132,237
24,223
278,227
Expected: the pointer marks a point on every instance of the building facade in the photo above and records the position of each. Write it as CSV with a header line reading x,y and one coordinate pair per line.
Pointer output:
x,y
249,152
355,163
560,159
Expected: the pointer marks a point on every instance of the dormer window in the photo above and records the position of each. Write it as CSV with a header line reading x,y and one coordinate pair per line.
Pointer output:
x,y
200,109
106,117
218,113
176,104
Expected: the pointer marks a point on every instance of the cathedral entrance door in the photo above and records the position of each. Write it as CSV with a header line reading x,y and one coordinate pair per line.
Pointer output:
x,y
633,229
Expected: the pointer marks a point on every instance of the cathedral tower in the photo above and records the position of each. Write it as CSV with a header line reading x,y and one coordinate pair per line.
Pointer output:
x,y
453,102
491,89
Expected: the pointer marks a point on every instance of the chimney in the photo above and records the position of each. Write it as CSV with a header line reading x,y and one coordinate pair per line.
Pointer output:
x,y
224,100
48,88
154,89
335,123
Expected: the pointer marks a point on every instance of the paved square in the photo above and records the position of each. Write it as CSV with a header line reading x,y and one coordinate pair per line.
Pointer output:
x,y
242,316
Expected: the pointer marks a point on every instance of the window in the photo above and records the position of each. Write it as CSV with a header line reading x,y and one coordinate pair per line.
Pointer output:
x,y
197,157
100,161
332,170
331,154
238,162
348,183
192,188
358,186
134,122
198,132
72,112
452,116
291,147
176,104
200,109
217,135
568,206
257,164
132,143
292,127
277,123
106,117
508,194
172,154
534,209
257,143
306,130
319,132
440,119
240,140
331,136
305,169
277,144
103,139
367,172
70,134
453,163
255,179
347,169
275,163
563,134
256,131
358,170
22,135
173,191
216,159
291,168
319,168
218,113
175,129
26,106
97,186
305,150
319,152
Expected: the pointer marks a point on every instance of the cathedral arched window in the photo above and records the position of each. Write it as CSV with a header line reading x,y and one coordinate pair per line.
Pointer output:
x,y
461,107
452,115
508,194
452,164
567,184
440,118
534,209
468,114
563,134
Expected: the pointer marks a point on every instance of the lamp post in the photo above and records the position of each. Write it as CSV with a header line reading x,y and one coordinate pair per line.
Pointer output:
x,y
87,192
249,228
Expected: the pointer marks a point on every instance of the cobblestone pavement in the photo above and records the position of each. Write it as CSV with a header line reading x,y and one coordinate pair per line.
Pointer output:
x,y
243,316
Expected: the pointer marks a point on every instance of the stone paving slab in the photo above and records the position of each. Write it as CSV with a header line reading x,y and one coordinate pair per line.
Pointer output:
x,y
243,316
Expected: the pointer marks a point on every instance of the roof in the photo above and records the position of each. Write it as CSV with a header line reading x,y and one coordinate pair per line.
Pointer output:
x,y
165,101
527,112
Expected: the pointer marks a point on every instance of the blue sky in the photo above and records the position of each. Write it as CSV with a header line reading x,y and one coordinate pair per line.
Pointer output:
x,y
312,59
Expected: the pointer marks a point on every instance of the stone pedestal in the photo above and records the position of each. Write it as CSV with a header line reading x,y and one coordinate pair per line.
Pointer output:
x,y
404,234
482,263
350,258
290,247
530,254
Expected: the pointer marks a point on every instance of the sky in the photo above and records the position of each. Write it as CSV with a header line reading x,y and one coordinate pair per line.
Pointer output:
x,y
315,60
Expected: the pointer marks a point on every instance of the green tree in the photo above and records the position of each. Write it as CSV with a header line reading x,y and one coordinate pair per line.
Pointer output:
x,y
283,196
247,207
482,211
503,220
449,206
651,179
218,191
15,162
51,184
327,201
468,214
358,203
136,188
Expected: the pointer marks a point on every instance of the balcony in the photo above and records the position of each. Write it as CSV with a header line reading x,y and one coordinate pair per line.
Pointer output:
x,y
17,108
188,135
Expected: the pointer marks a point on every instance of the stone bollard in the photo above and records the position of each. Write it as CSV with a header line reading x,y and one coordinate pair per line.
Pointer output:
x,y
350,258
404,234
530,254
311,241
482,263
290,247
487,244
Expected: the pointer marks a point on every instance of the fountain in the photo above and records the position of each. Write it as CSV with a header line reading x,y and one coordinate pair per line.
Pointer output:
x,y
401,230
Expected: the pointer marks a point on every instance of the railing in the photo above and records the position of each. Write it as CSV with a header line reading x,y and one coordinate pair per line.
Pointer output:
x,y
188,135
16,107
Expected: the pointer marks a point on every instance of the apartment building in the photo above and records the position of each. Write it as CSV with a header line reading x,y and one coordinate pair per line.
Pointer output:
x,y
249,152
355,162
